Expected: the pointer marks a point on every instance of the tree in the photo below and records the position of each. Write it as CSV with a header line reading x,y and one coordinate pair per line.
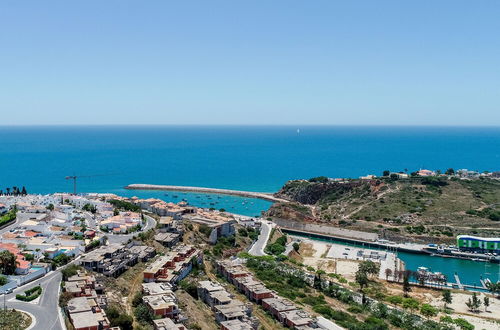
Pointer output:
x,y
473,303
296,247
50,207
406,283
143,314
362,279
386,173
449,171
486,302
369,267
23,191
3,280
428,310
8,262
447,298
410,303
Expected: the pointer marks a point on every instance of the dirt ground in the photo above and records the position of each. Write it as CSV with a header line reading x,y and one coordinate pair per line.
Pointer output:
x,y
199,313
482,319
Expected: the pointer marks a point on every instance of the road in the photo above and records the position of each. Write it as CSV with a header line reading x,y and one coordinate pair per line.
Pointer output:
x,y
122,238
46,311
258,247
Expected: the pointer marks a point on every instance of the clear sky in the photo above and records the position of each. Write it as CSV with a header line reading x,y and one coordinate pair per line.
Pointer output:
x,y
250,62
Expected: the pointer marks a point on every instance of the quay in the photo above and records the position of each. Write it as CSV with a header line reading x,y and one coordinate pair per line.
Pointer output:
x,y
411,248
241,193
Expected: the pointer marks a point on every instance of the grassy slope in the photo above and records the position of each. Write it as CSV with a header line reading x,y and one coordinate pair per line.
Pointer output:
x,y
390,207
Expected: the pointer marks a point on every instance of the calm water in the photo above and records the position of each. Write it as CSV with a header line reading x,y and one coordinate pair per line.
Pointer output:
x,y
246,158
470,272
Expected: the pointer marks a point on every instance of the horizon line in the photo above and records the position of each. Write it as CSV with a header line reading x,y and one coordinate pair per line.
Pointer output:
x,y
250,125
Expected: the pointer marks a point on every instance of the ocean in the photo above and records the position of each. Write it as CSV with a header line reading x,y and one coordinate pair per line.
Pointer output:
x,y
254,158
246,158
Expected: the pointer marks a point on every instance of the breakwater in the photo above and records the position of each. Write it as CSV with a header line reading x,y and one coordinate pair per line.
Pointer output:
x,y
241,193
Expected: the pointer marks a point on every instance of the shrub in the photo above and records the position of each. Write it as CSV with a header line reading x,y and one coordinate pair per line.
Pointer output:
x,y
30,294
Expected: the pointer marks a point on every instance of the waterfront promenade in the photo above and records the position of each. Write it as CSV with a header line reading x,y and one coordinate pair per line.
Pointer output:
x,y
241,193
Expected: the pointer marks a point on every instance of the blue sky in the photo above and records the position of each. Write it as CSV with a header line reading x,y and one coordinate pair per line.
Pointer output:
x,y
250,62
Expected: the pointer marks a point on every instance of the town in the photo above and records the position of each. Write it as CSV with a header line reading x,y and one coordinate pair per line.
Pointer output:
x,y
102,261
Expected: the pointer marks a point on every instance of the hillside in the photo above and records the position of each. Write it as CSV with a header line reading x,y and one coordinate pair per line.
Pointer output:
x,y
423,209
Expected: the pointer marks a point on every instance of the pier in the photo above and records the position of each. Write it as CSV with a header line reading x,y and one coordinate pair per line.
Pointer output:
x,y
249,194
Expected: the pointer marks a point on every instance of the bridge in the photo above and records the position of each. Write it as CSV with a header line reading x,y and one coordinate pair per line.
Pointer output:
x,y
249,194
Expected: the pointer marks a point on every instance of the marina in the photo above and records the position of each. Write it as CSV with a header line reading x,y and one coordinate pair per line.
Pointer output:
x,y
472,274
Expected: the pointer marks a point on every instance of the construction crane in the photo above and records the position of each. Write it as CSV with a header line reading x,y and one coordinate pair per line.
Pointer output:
x,y
75,177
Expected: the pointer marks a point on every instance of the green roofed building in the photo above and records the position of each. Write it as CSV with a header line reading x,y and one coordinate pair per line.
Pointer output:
x,y
480,244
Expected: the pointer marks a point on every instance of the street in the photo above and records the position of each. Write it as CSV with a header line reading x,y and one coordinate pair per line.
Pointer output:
x,y
258,247
46,311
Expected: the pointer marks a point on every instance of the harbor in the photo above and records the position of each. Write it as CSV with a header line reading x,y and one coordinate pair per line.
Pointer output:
x,y
471,274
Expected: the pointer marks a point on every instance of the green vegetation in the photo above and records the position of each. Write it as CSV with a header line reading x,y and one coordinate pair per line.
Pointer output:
x,y
250,232
447,297
69,271
278,247
8,217
488,212
117,318
123,205
60,260
142,314
3,280
429,207
320,179
223,243
288,282
8,262
11,319
30,294
90,208
473,303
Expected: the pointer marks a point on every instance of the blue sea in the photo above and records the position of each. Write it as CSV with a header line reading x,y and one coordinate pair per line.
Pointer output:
x,y
246,158
255,158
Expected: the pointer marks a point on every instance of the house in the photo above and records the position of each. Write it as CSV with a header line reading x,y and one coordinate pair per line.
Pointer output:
x,y
23,265
173,266
234,310
167,324
218,227
236,325
205,290
164,305
85,314
168,239
277,305
295,318
153,288
426,173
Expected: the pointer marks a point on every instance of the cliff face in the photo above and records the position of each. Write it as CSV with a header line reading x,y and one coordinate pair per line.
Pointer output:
x,y
310,193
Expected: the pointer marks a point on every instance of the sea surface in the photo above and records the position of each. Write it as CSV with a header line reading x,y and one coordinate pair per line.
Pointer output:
x,y
254,158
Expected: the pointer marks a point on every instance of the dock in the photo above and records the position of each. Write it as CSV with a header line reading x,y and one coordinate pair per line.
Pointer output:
x,y
457,280
249,194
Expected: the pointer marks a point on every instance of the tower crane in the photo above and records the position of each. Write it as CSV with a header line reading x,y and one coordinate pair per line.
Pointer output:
x,y
75,177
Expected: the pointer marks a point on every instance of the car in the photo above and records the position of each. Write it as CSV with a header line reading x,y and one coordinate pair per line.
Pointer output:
x,y
9,290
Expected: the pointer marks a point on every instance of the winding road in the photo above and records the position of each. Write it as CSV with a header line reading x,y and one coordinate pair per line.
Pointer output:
x,y
259,245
